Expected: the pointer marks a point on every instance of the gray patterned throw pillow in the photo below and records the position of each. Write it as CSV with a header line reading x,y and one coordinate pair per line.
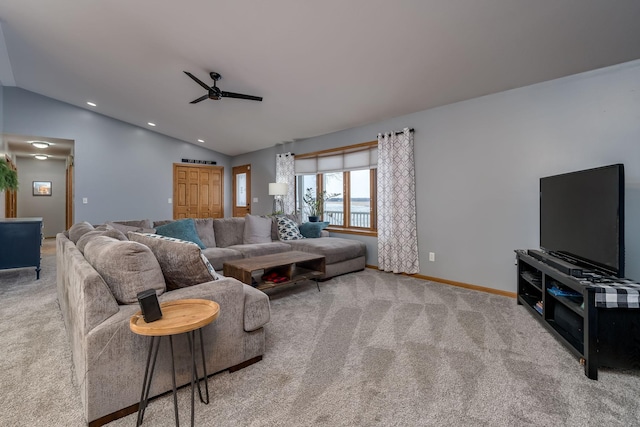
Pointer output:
x,y
182,262
288,229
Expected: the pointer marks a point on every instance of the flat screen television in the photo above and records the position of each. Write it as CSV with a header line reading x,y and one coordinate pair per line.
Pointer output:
x,y
582,217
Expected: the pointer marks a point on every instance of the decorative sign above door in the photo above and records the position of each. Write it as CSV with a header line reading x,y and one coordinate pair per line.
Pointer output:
x,y
199,162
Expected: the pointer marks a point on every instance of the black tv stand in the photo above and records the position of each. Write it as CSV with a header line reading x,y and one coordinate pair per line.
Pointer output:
x,y
597,336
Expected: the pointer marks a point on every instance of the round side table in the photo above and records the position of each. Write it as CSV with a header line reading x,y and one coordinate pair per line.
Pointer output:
x,y
180,316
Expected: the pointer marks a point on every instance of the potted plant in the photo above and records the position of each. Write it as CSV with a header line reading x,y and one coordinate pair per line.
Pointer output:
x,y
8,177
315,205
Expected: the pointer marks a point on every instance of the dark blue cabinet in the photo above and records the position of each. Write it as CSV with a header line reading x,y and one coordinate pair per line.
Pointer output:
x,y
20,241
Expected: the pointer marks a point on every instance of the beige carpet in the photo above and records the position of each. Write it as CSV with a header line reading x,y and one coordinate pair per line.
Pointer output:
x,y
370,349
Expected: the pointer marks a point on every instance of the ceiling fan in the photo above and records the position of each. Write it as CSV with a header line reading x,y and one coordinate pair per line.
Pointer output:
x,y
213,92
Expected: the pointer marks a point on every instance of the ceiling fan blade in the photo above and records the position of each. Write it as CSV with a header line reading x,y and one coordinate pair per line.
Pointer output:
x,y
202,98
240,96
197,80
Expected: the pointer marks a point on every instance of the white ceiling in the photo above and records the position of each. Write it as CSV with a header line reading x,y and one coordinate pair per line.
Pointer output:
x,y
321,66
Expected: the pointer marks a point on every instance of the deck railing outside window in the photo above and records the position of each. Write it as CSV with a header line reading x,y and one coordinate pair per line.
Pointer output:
x,y
358,219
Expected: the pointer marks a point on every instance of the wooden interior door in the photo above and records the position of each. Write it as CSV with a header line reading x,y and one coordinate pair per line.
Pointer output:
x,y
69,195
197,191
241,190
10,197
10,204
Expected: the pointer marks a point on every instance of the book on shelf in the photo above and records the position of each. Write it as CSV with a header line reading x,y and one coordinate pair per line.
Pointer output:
x,y
563,292
538,307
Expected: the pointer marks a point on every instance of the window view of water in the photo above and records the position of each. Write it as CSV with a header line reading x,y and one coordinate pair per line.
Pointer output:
x,y
360,212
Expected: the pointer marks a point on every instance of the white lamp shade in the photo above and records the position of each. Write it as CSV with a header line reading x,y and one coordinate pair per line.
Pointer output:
x,y
278,189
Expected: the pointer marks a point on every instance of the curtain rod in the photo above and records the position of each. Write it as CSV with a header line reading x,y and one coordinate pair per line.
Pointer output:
x,y
401,131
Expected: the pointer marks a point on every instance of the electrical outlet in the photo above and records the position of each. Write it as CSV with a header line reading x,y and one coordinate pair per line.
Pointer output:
x,y
85,200
432,256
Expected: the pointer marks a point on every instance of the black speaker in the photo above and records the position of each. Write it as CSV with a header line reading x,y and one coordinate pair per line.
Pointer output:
x,y
149,305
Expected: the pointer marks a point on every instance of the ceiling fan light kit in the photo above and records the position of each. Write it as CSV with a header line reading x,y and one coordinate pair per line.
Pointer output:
x,y
214,92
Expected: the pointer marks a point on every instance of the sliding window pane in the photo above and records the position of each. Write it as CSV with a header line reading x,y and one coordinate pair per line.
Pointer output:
x,y
334,209
304,182
360,199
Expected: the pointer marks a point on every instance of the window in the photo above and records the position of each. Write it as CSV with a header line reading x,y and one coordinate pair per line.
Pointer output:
x,y
348,174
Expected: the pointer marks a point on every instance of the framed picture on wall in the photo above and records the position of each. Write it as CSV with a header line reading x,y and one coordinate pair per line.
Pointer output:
x,y
41,188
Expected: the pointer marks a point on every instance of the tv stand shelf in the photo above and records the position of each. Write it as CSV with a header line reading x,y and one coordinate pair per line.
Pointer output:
x,y
599,336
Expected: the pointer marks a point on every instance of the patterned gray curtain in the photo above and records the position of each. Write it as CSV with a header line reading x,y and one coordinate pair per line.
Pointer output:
x,y
397,228
285,172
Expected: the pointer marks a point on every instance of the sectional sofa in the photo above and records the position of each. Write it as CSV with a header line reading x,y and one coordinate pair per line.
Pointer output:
x,y
101,269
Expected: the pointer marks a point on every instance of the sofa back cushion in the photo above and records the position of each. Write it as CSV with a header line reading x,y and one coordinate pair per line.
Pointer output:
x,y
160,222
82,241
204,227
182,262
137,223
229,231
78,230
127,267
257,229
125,228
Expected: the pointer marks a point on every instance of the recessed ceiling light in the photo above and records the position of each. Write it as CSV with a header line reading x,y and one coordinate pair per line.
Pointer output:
x,y
40,144
201,140
151,124
93,104
41,157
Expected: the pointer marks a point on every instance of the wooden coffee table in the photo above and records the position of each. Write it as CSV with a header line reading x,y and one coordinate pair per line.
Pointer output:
x,y
295,265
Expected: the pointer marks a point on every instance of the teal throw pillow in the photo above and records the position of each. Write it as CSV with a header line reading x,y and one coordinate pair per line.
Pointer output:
x,y
312,229
184,229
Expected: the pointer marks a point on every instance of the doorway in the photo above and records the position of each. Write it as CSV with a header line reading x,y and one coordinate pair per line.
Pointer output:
x,y
56,167
241,190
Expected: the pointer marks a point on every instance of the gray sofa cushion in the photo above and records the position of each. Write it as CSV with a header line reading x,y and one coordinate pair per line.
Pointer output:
x,y
335,249
182,262
77,230
218,256
125,228
82,241
229,231
257,229
258,249
204,227
140,223
126,267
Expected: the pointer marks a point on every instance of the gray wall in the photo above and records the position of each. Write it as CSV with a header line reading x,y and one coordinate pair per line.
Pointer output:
x,y
50,208
478,165
124,171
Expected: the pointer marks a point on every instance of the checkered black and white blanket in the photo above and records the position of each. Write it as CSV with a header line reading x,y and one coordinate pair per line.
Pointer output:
x,y
622,293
